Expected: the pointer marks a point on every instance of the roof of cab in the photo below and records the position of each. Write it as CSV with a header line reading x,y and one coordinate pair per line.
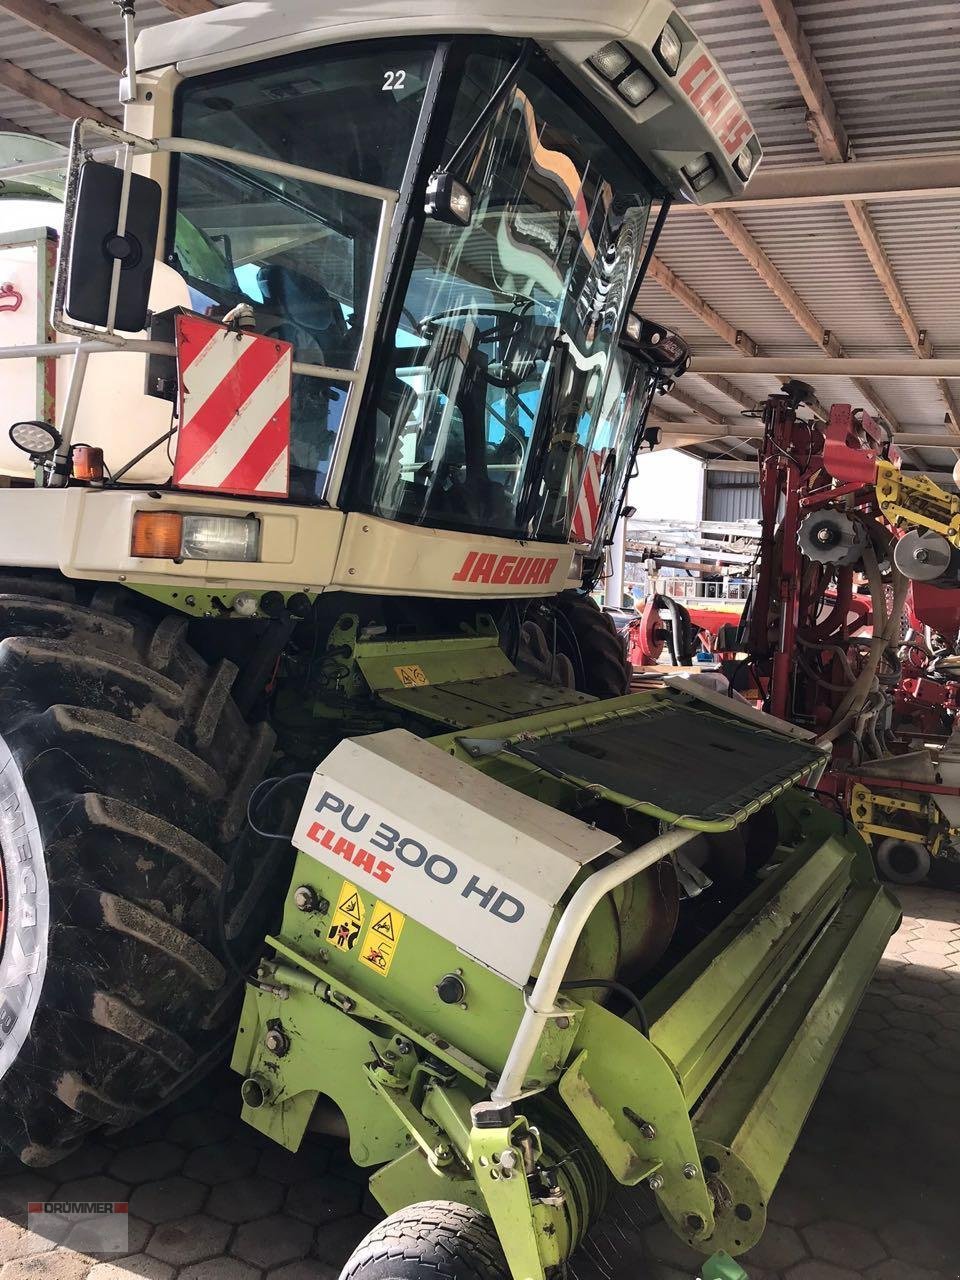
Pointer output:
x,y
667,130
265,27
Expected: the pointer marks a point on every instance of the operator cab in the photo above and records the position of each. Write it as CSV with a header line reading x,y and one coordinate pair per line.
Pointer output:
x,y
465,367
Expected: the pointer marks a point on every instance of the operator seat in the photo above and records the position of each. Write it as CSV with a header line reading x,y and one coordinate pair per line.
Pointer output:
x,y
308,310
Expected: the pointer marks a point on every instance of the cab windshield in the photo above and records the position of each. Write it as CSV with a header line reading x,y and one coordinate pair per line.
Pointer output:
x,y
490,416
486,410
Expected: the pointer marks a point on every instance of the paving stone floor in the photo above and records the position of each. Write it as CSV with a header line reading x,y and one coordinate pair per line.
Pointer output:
x,y
872,1191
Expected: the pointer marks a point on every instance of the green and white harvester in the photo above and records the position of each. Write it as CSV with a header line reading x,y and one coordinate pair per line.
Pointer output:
x,y
314,743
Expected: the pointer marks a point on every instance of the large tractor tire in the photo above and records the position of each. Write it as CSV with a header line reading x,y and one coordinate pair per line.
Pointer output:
x,y
594,646
125,769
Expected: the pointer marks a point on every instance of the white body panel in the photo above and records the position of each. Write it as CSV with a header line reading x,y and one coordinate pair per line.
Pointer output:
x,y
402,559
484,866
667,130
86,533
114,412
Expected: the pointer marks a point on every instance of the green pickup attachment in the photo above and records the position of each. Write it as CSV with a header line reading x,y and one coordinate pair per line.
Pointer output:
x,y
731,927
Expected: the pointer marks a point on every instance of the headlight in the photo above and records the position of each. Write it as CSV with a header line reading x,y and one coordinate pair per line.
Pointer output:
x,y
744,163
668,49
700,172
611,61
174,535
636,87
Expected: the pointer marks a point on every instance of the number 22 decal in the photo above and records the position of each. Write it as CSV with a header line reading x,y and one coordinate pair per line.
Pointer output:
x,y
393,80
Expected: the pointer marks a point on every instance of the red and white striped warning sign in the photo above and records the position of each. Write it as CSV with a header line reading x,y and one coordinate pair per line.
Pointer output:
x,y
234,431
587,511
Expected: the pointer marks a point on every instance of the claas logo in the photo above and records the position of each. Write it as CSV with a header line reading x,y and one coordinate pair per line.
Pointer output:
x,y
716,103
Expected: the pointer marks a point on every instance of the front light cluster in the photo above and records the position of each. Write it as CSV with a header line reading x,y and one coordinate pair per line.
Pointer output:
x,y
626,75
744,163
175,535
700,172
618,66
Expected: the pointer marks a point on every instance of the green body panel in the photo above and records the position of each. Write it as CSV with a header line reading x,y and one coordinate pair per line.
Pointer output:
x,y
629,1102
322,1041
532,1234
713,1006
743,1022
441,660
199,601
479,1034
759,1104
410,1179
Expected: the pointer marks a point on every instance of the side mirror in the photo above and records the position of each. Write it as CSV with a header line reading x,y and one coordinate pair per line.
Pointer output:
x,y
660,347
94,246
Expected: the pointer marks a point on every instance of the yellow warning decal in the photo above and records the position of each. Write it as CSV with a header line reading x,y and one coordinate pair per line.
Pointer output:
x,y
347,919
380,940
412,677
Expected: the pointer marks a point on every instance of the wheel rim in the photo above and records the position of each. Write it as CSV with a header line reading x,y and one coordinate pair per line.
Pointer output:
x,y
3,908
26,911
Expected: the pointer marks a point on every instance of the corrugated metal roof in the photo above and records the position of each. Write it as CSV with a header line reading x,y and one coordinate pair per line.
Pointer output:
x,y
46,58
738,37
892,68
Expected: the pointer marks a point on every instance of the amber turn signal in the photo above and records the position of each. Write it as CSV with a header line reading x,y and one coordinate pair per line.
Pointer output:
x,y
157,535
87,462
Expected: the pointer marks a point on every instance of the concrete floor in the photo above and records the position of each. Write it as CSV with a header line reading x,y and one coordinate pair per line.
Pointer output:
x,y
871,1193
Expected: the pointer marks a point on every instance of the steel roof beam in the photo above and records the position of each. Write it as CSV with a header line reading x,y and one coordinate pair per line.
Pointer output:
x,y
843,367
10,126
741,239
705,411
74,35
920,177
747,430
188,8
669,280
734,337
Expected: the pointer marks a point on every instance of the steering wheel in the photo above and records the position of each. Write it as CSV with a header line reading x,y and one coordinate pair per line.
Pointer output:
x,y
509,327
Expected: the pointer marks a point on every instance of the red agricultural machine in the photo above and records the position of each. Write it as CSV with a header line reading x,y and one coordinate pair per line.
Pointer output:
x,y
851,627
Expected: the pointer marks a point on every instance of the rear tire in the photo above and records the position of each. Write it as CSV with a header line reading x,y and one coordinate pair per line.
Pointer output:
x,y
433,1239
594,646
903,861
126,768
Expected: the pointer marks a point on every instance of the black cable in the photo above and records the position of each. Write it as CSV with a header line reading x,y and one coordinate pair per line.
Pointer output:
x,y
610,985
828,797
272,784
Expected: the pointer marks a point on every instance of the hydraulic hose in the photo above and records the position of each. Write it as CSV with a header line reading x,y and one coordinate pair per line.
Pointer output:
x,y
852,703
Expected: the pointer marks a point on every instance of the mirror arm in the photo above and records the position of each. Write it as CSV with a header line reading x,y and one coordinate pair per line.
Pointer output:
x,y
121,236
648,253
490,110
